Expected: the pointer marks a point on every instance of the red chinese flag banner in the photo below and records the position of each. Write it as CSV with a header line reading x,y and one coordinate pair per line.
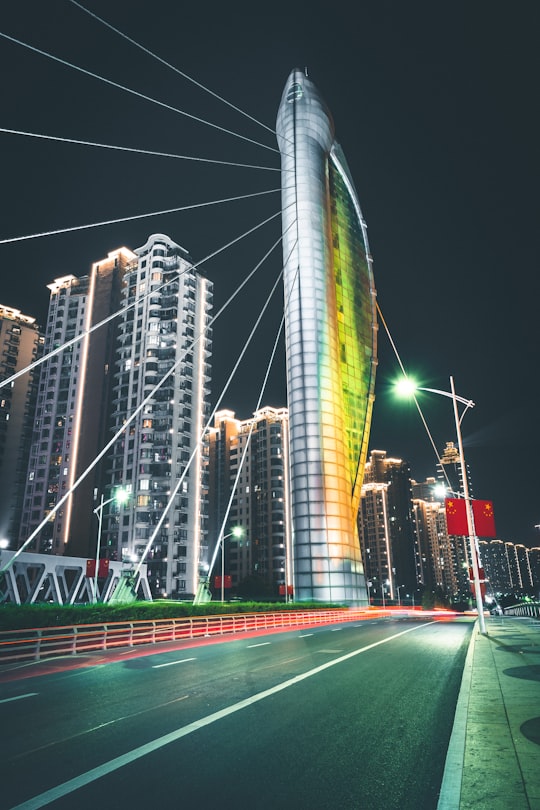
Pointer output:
x,y
456,516
484,519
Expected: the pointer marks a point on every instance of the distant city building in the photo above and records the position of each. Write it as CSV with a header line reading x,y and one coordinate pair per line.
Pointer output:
x,y
449,471
534,560
493,555
331,335
442,559
72,409
385,524
374,527
510,567
254,454
163,374
20,344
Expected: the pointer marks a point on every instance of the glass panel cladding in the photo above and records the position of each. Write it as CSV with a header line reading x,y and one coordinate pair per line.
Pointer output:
x,y
331,347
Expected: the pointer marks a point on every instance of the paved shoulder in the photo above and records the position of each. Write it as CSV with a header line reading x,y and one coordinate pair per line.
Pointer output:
x,y
494,755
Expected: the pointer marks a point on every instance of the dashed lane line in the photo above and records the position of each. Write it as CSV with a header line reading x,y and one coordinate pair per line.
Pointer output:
x,y
66,788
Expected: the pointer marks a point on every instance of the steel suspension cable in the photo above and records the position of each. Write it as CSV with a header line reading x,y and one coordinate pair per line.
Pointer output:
x,y
134,303
422,417
130,419
172,67
10,240
133,92
208,424
138,151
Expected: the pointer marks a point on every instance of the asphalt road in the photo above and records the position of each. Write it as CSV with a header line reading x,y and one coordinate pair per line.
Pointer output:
x,y
341,717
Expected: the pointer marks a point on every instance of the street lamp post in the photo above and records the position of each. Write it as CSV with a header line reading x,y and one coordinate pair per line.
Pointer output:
x,y
203,589
237,532
468,403
120,496
470,517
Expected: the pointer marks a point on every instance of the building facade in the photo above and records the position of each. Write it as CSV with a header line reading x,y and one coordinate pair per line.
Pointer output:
x,y
72,408
249,488
443,559
386,525
330,324
20,344
510,567
161,406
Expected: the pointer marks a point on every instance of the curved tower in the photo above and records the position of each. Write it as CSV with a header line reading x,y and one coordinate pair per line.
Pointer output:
x,y
331,338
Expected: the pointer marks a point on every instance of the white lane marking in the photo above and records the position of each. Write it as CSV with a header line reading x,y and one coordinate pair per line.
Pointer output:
x,y
332,652
42,799
172,663
336,629
18,697
306,635
262,644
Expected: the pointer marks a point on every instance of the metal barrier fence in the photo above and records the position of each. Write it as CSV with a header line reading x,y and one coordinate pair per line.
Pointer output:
x,y
48,642
531,609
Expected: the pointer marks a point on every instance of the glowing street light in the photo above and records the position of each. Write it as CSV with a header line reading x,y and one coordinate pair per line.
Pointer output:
x,y
203,590
408,387
120,496
236,532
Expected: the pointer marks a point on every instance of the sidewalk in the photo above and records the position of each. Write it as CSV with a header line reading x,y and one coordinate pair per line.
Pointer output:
x,y
493,760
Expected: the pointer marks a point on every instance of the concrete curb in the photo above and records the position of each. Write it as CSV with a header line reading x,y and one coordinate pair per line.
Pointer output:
x,y
450,795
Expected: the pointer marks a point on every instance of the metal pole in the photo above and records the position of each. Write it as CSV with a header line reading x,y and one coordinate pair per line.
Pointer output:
x,y
222,569
98,547
470,518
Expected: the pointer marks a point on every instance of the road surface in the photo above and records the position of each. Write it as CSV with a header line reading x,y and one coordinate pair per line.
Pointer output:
x,y
348,716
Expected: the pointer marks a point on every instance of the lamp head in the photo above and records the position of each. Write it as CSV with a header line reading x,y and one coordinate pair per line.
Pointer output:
x,y
406,387
121,495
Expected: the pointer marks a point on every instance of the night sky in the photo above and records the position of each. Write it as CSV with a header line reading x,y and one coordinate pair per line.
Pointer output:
x,y
436,108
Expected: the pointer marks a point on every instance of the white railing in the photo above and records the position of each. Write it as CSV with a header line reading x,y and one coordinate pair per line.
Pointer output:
x,y
531,609
47,642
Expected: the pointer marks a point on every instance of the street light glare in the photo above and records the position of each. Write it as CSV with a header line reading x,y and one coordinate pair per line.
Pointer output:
x,y
121,495
406,387
237,531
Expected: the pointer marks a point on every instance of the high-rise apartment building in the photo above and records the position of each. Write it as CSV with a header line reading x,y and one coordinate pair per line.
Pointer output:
x,y
374,528
438,565
442,560
161,400
395,477
330,324
449,470
248,470
534,560
72,409
20,344
510,567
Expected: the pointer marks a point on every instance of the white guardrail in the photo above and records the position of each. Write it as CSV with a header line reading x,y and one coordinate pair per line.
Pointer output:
x,y
47,642
531,609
